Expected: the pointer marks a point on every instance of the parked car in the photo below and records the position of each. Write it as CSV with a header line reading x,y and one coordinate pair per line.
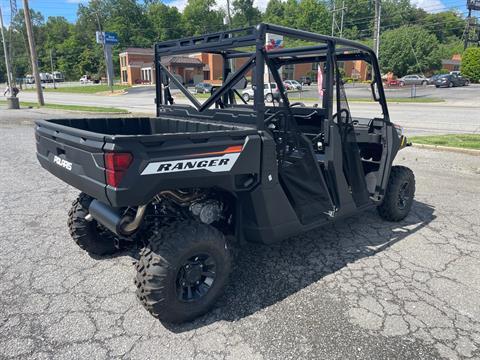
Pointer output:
x,y
391,82
451,80
202,88
87,79
292,85
431,80
58,76
270,90
413,80
29,79
305,80
46,77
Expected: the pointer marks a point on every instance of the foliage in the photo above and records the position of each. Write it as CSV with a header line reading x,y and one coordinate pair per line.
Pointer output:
x,y
72,47
441,72
444,25
408,49
471,64
199,17
245,13
166,21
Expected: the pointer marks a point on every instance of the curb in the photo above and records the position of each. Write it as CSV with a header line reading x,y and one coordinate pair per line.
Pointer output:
x,y
447,148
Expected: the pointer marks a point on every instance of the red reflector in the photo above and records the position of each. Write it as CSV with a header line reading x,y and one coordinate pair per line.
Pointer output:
x,y
115,166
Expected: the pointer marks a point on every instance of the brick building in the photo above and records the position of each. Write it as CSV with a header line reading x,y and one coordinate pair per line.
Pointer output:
x,y
136,67
452,64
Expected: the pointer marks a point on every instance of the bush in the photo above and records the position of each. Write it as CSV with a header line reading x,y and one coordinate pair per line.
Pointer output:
x,y
470,67
441,72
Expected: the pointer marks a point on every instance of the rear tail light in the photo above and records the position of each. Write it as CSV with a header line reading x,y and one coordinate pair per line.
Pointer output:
x,y
116,164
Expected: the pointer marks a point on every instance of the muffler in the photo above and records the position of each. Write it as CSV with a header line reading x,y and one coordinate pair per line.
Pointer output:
x,y
121,225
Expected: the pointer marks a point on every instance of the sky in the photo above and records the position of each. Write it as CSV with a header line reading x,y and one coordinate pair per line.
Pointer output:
x,y
68,8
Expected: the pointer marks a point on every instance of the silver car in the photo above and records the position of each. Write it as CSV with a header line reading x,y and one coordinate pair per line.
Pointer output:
x,y
413,80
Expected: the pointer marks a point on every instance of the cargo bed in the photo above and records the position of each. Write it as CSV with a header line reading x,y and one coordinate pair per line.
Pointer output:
x,y
74,151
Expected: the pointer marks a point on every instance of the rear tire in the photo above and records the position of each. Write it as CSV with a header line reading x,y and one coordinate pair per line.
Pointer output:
x,y
246,97
399,196
89,235
182,271
269,98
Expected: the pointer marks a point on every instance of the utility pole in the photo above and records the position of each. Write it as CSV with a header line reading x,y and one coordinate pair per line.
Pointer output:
x,y
5,52
51,64
376,27
229,14
335,26
33,53
472,28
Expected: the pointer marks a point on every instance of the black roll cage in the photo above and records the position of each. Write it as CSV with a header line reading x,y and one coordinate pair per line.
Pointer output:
x,y
226,43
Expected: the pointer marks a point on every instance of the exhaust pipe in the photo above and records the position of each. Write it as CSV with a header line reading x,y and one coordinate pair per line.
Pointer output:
x,y
113,220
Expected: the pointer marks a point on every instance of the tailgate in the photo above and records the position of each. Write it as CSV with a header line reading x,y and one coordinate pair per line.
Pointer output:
x,y
74,156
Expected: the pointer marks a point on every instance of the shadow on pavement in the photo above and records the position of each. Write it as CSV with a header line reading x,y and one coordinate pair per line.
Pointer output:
x,y
264,275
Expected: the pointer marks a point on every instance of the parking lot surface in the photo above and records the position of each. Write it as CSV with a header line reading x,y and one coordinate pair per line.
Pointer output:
x,y
362,288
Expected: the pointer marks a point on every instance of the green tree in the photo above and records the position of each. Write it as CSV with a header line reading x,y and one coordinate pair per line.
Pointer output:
x,y
166,21
408,49
127,18
471,64
313,15
444,25
245,13
274,13
200,16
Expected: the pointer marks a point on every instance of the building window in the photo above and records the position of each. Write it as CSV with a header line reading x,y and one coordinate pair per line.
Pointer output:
x,y
124,76
288,71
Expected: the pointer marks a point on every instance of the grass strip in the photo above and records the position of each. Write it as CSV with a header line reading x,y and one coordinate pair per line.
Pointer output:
x,y
82,89
464,141
97,109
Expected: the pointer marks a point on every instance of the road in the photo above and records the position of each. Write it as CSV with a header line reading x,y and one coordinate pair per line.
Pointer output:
x,y
359,289
459,114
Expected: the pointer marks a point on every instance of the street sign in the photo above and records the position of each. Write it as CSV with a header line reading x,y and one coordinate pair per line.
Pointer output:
x,y
111,38
106,38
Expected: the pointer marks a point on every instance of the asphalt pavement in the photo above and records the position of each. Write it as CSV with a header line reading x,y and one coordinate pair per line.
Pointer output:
x,y
360,289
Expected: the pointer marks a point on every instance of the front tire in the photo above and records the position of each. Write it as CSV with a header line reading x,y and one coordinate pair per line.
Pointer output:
x,y
182,271
269,98
399,196
246,97
89,235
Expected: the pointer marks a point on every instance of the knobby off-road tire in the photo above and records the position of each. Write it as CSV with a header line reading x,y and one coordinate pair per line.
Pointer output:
x,y
398,199
89,235
178,256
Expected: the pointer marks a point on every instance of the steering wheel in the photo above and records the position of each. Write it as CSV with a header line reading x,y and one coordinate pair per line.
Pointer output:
x,y
297,104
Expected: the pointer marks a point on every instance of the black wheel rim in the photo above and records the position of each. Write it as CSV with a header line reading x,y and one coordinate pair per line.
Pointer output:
x,y
403,195
196,277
